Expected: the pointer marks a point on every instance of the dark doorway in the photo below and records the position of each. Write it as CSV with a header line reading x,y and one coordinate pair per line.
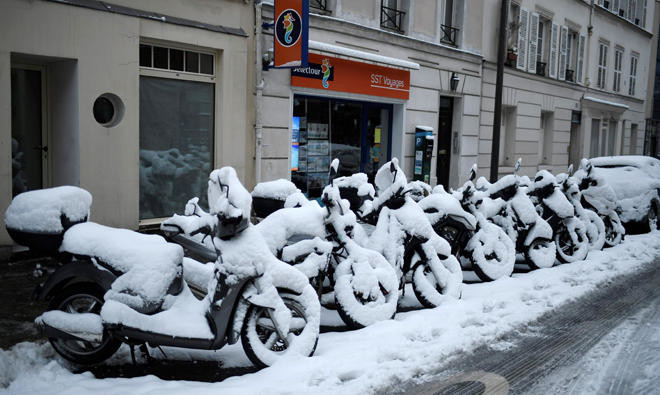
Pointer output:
x,y
28,143
444,139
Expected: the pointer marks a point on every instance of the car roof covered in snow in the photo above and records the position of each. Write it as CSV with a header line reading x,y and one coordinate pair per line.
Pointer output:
x,y
648,164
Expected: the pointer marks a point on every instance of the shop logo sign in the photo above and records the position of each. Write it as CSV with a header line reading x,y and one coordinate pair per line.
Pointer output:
x,y
288,27
325,67
324,72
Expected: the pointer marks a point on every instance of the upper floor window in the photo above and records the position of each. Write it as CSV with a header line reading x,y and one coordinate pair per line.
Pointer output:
x,y
391,15
634,58
602,65
320,5
448,28
618,61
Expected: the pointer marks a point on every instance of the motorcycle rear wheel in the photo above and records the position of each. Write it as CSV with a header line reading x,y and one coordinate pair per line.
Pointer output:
x,y
260,340
82,298
428,291
492,253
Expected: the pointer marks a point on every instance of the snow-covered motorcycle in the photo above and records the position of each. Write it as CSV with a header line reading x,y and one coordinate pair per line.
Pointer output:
x,y
320,242
506,204
594,224
479,245
599,197
405,237
118,286
569,232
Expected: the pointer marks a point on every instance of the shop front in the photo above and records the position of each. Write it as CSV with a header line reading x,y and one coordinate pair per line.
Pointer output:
x,y
343,109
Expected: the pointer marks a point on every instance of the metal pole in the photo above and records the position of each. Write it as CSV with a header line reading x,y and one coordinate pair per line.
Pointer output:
x,y
497,118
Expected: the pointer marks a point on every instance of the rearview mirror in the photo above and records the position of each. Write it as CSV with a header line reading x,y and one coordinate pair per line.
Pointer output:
x,y
517,166
473,172
334,169
570,169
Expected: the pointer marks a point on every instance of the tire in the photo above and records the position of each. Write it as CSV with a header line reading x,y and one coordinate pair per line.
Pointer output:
x,y
255,335
595,230
426,287
613,229
572,247
652,218
492,253
380,283
541,254
82,298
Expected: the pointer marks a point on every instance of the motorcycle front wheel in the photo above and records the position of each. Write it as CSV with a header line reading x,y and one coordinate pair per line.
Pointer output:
x,y
572,242
492,253
613,229
595,230
431,291
264,346
366,291
541,253
77,299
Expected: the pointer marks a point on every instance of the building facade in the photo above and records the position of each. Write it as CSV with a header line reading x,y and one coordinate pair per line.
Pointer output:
x,y
135,101
574,84
395,67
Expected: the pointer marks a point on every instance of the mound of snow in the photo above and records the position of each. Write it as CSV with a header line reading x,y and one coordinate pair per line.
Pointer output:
x,y
41,210
277,189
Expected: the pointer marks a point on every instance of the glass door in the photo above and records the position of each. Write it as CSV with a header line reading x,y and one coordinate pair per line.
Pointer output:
x,y
376,138
29,148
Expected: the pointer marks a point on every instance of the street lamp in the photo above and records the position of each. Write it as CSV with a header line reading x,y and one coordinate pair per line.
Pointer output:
x,y
453,82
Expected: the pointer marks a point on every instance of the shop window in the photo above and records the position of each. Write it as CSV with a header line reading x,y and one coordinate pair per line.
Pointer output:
x,y
603,136
177,126
356,133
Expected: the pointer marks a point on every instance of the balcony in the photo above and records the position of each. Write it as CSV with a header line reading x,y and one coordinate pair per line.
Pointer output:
x,y
449,34
391,18
570,75
319,5
540,68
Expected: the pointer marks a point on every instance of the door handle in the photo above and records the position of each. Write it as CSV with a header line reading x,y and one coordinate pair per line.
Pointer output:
x,y
42,148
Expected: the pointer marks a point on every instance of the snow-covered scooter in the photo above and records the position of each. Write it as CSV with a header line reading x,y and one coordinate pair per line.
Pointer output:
x,y
405,237
599,197
480,245
593,223
570,233
319,241
118,286
506,204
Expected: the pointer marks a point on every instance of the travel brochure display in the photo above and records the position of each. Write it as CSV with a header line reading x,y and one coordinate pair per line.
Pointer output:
x,y
310,151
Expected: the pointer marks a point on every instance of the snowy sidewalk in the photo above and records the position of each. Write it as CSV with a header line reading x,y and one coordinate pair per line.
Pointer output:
x,y
414,344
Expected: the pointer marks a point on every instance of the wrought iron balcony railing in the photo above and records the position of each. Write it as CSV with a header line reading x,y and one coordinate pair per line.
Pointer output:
x,y
321,5
449,34
540,68
570,75
391,18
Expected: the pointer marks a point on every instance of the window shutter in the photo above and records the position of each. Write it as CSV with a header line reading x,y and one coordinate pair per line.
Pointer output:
x,y
533,42
554,40
580,59
522,39
562,52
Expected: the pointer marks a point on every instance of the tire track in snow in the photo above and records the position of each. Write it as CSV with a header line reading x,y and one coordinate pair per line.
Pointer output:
x,y
566,335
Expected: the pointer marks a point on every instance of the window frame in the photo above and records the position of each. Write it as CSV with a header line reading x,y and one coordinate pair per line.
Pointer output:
x,y
632,80
602,64
618,68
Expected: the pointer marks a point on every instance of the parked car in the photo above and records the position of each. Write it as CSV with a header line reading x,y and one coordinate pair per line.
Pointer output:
x,y
636,181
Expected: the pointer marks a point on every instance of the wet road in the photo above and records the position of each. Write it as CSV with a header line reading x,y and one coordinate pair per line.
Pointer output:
x,y
608,341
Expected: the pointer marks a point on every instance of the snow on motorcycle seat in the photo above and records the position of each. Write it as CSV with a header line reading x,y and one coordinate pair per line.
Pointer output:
x,y
149,267
38,219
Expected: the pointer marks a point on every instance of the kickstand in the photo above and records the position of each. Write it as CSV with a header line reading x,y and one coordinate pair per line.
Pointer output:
x,y
145,352
133,354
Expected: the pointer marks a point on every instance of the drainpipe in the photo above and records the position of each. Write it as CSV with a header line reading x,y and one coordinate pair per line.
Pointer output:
x,y
590,32
499,81
258,127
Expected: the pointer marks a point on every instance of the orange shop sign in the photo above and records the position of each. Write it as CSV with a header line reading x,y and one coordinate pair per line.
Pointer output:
x,y
343,75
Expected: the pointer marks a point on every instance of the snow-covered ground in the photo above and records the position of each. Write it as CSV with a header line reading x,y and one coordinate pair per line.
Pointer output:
x,y
413,344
